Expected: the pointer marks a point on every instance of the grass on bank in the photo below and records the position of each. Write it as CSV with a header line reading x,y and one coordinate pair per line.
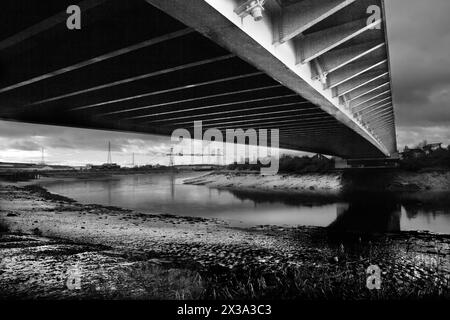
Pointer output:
x,y
345,279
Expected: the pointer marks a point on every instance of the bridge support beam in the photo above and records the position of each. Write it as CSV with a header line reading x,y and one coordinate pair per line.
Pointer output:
x,y
365,90
358,82
299,17
354,70
316,44
280,46
369,98
370,105
336,59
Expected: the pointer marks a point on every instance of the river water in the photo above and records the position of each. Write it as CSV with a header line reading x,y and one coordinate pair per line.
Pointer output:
x,y
165,193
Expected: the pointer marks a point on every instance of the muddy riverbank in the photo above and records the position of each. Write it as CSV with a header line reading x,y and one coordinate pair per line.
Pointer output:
x,y
330,183
54,247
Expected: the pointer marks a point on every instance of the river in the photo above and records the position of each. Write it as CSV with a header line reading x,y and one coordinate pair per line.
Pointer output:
x,y
165,193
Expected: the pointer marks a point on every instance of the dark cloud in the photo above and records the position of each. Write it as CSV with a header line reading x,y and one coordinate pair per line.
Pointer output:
x,y
419,38
73,146
74,138
25,145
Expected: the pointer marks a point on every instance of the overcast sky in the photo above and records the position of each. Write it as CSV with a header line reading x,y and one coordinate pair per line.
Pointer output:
x,y
419,39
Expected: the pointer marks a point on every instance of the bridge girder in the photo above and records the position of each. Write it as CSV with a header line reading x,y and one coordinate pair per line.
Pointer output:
x,y
305,62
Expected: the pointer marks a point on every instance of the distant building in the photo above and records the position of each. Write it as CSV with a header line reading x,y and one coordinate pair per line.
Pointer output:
x,y
198,167
421,151
146,166
33,167
6,165
11,165
414,153
110,166
432,147
105,166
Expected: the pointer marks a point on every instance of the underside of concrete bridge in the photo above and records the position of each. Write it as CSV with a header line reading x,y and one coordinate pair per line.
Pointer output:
x,y
317,70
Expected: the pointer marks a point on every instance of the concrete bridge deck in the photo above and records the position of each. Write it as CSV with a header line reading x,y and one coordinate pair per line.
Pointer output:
x,y
316,70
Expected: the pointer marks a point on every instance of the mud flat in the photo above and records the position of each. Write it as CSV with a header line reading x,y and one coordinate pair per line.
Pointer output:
x,y
54,247
326,183
333,182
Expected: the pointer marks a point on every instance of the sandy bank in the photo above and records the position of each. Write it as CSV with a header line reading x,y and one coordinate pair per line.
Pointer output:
x,y
331,182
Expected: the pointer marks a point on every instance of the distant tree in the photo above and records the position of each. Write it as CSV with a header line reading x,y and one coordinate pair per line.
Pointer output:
x,y
437,159
293,164
422,144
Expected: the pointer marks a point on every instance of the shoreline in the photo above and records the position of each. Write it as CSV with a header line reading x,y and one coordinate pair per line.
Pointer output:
x,y
329,183
126,250
314,184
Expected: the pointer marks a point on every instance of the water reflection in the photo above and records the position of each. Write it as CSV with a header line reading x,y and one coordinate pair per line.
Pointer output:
x,y
369,213
164,193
